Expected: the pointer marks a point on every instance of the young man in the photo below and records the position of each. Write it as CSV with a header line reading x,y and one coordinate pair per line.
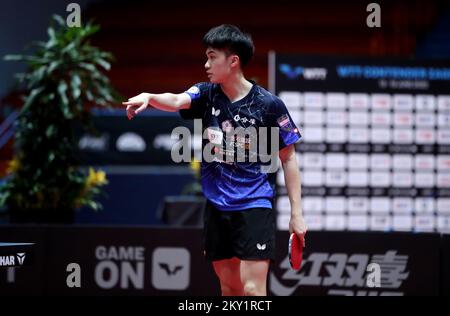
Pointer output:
x,y
239,222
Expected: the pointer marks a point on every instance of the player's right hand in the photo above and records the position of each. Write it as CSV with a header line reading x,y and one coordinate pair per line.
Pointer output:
x,y
137,104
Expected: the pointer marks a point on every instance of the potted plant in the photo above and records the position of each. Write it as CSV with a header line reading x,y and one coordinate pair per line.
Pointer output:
x,y
195,187
64,80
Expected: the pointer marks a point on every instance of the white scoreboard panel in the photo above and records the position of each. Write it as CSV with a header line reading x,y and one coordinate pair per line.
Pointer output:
x,y
375,152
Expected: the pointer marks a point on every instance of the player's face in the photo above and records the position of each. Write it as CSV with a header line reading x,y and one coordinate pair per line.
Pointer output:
x,y
218,65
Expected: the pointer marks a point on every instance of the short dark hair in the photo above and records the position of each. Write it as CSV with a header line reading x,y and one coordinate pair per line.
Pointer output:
x,y
231,39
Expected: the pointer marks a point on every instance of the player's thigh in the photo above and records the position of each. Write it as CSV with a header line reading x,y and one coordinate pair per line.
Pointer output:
x,y
254,271
228,271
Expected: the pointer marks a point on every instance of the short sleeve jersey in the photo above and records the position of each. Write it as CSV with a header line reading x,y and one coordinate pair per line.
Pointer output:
x,y
232,184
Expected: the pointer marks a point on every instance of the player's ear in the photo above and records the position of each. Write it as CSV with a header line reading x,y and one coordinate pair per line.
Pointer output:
x,y
234,60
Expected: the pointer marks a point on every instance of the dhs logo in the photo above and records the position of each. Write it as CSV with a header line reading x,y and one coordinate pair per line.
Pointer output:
x,y
171,268
358,274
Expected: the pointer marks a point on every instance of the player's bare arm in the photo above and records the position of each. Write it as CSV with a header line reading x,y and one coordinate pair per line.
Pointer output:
x,y
293,185
168,102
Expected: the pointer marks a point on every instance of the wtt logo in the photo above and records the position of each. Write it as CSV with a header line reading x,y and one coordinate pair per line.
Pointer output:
x,y
307,73
171,268
340,270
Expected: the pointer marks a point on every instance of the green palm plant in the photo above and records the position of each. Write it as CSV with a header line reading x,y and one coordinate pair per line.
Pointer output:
x,y
65,78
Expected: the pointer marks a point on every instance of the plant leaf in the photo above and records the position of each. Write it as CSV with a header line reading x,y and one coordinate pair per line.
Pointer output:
x,y
106,65
31,98
64,105
88,66
53,65
59,19
50,131
13,57
75,85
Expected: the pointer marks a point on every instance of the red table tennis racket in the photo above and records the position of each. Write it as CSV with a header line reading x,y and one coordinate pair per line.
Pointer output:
x,y
296,244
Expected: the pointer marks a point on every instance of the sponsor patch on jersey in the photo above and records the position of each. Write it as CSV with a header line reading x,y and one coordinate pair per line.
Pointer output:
x,y
215,136
285,123
227,126
194,92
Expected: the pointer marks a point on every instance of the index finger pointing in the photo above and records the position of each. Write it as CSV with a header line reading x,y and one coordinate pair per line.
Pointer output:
x,y
131,103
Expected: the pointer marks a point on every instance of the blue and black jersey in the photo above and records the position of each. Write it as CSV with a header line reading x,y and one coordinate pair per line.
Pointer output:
x,y
230,184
